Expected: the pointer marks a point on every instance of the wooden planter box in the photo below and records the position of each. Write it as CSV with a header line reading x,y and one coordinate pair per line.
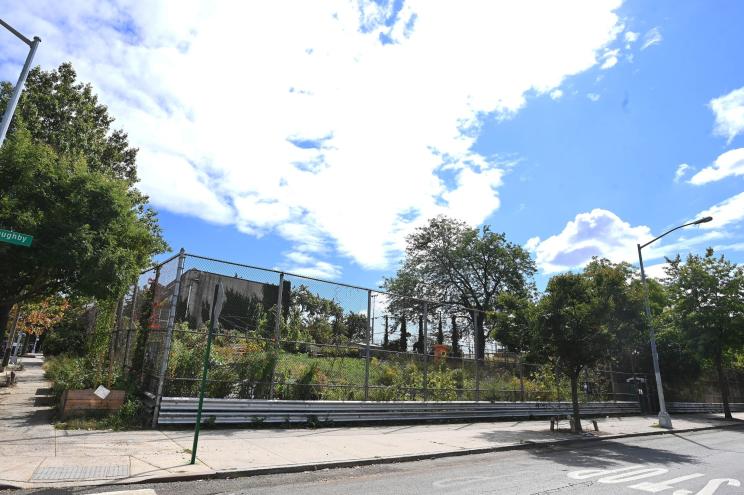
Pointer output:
x,y
83,402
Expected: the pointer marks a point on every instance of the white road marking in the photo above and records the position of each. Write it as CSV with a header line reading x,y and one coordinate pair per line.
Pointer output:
x,y
589,473
633,475
711,487
658,486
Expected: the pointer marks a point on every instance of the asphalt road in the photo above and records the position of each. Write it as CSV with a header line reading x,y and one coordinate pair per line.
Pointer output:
x,y
707,462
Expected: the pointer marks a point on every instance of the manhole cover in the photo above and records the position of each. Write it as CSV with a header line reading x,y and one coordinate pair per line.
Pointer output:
x,y
70,473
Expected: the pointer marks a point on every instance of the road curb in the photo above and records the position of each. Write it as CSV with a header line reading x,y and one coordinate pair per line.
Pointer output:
x,y
300,468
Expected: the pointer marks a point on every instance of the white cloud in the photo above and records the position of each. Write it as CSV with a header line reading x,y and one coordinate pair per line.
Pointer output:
x,y
609,58
597,233
727,212
316,269
655,271
593,96
730,163
651,38
682,169
299,124
630,38
729,110
556,94
602,233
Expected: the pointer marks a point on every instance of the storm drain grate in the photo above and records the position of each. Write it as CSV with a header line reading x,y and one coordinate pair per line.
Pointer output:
x,y
69,473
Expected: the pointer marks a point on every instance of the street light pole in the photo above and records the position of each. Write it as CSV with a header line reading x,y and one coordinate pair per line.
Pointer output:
x,y
665,421
16,95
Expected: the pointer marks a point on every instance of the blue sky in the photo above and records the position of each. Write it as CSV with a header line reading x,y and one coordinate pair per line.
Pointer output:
x,y
314,137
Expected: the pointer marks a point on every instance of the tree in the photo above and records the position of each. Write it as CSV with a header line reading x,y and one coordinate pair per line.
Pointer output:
x,y
569,328
511,321
707,294
447,260
456,351
440,332
620,296
62,166
90,237
403,335
65,114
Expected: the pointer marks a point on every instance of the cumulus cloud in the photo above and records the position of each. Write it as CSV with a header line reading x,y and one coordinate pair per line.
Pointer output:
x,y
725,213
596,233
651,38
593,96
729,111
682,169
728,164
298,117
602,233
556,94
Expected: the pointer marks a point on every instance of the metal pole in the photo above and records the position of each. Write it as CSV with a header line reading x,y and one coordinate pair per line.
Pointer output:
x,y
665,421
366,354
477,364
13,102
168,336
130,328
277,331
521,379
612,382
114,339
423,348
205,371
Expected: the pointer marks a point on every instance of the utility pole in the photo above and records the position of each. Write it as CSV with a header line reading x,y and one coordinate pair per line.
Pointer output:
x,y
10,109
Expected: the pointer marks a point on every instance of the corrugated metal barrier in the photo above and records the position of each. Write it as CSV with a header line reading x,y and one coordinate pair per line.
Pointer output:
x,y
181,410
702,407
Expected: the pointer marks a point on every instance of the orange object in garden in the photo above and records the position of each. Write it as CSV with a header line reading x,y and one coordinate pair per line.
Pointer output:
x,y
440,351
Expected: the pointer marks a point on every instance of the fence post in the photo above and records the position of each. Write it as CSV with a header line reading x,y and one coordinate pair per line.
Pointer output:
x,y
477,364
366,353
168,336
130,328
423,348
521,378
277,331
114,339
217,302
153,298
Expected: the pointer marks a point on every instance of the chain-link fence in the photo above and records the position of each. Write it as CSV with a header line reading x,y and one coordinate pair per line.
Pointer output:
x,y
285,336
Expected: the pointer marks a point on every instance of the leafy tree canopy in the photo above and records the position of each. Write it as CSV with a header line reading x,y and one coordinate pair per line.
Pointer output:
x,y
447,260
707,294
67,179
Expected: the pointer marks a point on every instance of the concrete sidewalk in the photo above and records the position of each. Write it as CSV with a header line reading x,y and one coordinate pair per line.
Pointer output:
x,y
34,454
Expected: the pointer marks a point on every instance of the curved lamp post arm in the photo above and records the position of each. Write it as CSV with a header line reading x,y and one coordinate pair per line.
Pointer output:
x,y
696,222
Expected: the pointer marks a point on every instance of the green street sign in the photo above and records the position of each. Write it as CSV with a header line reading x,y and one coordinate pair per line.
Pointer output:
x,y
15,238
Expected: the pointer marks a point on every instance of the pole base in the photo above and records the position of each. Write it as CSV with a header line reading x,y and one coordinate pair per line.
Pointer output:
x,y
665,421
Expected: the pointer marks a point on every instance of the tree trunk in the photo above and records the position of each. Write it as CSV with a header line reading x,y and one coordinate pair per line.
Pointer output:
x,y
5,309
723,386
575,400
480,341
403,335
440,333
421,346
385,336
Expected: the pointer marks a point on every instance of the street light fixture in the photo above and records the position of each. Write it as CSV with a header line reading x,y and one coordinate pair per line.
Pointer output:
x,y
665,421
10,109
